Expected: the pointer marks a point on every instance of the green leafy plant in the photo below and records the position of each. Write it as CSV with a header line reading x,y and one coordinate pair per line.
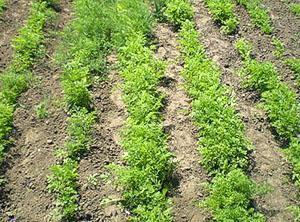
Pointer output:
x,y
283,110
258,14
293,153
230,196
63,182
2,5
42,109
295,8
294,65
244,48
178,11
223,13
279,47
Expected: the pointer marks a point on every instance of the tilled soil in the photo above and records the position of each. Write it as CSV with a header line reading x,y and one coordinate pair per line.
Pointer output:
x,y
269,164
35,140
10,22
182,133
94,190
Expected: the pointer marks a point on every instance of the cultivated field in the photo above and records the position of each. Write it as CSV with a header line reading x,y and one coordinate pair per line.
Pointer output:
x,y
149,111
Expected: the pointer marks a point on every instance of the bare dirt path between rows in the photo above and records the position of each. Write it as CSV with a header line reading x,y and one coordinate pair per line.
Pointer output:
x,y
10,22
286,28
181,131
35,140
105,150
269,164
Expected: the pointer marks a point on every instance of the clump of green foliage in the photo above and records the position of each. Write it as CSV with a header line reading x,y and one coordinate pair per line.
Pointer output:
x,y
178,11
63,182
294,65
293,153
279,100
258,14
42,109
230,196
295,8
148,162
223,145
279,47
15,80
2,5
223,13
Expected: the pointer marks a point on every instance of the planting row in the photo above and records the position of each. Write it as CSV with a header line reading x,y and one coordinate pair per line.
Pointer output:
x,y
278,100
28,46
148,163
223,146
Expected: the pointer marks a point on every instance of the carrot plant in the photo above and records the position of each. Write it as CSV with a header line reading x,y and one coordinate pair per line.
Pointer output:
x,y
230,197
223,13
259,14
15,79
2,5
295,8
279,47
294,65
178,11
222,142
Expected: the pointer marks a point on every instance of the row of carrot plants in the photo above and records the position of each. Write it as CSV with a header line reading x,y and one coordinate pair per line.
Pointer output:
x,y
81,56
148,163
278,100
223,146
143,178
27,46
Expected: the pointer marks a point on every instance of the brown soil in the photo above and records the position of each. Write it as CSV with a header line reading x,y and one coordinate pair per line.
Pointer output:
x,y
269,164
35,140
105,150
10,21
286,28
181,131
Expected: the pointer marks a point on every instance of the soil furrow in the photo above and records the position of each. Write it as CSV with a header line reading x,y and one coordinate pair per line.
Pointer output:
x,y
269,164
287,26
286,29
10,22
35,140
182,133
105,150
